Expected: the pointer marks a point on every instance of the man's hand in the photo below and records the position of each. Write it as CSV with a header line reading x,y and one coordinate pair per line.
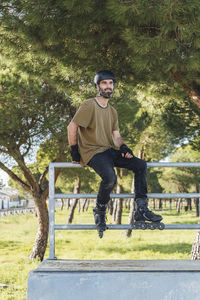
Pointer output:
x,y
75,154
126,152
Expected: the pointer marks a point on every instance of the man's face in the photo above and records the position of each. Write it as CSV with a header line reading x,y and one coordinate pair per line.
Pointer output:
x,y
106,88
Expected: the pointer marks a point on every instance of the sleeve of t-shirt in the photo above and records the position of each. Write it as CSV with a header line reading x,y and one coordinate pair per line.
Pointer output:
x,y
115,123
83,115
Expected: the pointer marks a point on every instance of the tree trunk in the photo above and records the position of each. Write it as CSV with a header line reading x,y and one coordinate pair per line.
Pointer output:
x,y
84,205
128,204
41,239
170,204
131,217
39,191
160,204
189,203
118,219
110,207
76,191
154,204
197,201
197,207
114,210
68,203
79,205
179,205
62,205
186,206
72,210
195,253
193,94
87,205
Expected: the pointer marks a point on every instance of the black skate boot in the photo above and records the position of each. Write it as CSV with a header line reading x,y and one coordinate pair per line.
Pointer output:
x,y
100,219
143,214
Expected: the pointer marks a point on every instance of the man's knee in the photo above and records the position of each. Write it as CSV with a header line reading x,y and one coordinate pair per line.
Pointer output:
x,y
140,166
143,165
110,180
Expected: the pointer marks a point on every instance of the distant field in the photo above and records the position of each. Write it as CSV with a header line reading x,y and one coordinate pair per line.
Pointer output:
x,y
17,234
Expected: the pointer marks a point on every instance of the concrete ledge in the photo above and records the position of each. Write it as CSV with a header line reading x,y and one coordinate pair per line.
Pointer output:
x,y
64,265
115,280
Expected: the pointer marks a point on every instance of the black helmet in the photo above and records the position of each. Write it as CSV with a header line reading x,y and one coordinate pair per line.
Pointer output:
x,y
104,75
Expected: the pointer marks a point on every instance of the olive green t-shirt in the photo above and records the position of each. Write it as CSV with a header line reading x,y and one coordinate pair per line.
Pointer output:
x,y
96,125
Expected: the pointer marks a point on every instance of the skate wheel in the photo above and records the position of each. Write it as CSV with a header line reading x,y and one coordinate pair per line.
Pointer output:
x,y
161,226
143,226
139,225
151,226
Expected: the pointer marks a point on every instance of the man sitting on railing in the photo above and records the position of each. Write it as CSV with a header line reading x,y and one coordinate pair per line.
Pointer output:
x,y
91,133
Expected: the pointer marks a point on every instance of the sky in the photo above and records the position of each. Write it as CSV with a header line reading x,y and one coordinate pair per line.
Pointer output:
x,y
4,176
29,159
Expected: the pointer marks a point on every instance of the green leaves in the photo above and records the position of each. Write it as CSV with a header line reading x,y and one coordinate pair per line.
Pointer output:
x,y
50,51
61,40
182,179
29,110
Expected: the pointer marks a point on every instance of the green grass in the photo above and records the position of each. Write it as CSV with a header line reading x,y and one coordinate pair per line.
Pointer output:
x,y
18,233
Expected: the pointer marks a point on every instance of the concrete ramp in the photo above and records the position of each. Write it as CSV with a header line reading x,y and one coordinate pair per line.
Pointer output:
x,y
115,280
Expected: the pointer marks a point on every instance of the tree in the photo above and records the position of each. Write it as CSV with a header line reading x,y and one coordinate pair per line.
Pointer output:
x,y
173,120
151,46
182,179
142,41
30,112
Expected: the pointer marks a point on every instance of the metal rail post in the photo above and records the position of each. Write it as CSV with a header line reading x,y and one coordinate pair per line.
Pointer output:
x,y
51,212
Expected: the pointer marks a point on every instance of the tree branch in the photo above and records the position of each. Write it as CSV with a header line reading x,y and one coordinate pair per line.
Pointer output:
x,y
194,96
42,177
4,151
15,177
27,173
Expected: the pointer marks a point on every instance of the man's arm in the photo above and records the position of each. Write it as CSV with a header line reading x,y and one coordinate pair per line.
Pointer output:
x,y
117,139
118,142
72,129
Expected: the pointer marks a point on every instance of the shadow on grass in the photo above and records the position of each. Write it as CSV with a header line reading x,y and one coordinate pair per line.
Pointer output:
x,y
183,248
185,222
9,244
62,241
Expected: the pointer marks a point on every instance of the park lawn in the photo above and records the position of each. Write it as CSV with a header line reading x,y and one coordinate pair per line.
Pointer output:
x,y
18,234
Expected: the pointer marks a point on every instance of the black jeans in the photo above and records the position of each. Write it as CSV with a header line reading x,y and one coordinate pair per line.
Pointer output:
x,y
103,163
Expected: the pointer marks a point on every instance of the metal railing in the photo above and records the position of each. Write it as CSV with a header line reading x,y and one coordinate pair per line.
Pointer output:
x,y
53,196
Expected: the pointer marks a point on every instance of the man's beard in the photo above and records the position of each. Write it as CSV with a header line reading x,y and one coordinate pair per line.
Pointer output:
x,y
105,94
